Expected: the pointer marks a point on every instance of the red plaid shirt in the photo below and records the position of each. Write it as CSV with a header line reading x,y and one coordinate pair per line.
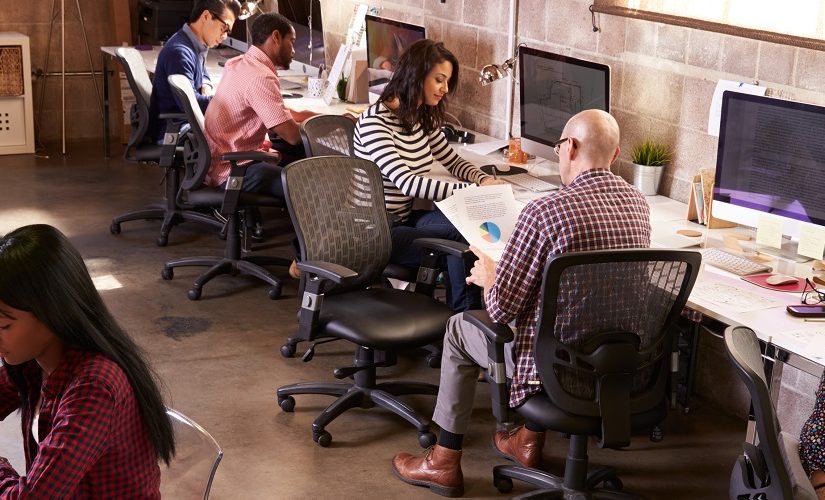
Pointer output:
x,y
597,211
93,443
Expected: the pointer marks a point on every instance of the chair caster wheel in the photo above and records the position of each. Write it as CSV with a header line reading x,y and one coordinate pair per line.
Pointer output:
x,y
433,361
114,228
288,350
274,292
287,404
323,438
614,484
426,439
162,240
168,273
502,484
194,293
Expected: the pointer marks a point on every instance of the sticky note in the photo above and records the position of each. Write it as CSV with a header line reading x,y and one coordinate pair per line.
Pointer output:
x,y
811,241
769,231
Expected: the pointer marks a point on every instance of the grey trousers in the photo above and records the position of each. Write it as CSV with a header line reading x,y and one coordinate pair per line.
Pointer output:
x,y
465,350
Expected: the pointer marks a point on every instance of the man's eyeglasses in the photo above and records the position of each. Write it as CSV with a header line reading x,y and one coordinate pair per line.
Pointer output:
x,y
812,295
557,145
226,28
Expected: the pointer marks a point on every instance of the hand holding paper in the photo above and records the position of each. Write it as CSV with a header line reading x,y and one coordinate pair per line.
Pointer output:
x,y
483,273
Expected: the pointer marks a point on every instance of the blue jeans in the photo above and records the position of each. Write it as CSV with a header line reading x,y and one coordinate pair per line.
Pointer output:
x,y
263,178
433,224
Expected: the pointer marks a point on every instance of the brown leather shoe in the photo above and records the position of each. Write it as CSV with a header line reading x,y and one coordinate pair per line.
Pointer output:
x,y
439,469
520,445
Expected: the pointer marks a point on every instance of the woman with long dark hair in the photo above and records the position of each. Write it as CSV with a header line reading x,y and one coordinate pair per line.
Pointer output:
x,y
401,133
94,422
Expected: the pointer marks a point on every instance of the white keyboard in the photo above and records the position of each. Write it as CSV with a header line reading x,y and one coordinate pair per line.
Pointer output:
x,y
527,181
733,263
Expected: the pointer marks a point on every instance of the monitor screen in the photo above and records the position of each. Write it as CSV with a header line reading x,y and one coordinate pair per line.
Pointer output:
x,y
770,159
386,41
309,40
237,38
553,88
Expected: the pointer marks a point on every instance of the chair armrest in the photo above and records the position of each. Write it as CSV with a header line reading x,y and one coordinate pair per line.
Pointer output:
x,y
497,333
328,271
448,247
267,156
173,116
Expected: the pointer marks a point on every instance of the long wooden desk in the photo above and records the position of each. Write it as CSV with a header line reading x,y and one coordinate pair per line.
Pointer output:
x,y
215,59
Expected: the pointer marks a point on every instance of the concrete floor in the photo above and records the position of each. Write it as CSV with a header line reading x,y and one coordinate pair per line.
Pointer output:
x,y
218,357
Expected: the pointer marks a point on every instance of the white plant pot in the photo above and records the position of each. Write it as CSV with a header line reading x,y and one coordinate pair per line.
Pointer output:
x,y
647,178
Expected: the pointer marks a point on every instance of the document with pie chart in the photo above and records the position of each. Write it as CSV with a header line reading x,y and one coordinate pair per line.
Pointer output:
x,y
485,216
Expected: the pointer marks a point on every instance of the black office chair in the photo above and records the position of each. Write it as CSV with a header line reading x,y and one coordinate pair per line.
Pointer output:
x,y
328,135
142,148
338,211
602,352
771,469
232,202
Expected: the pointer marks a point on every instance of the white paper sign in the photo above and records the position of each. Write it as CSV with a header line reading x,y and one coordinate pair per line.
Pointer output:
x,y
769,231
811,241
715,114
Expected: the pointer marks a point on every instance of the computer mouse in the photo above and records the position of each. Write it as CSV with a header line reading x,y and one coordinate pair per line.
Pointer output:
x,y
781,279
503,168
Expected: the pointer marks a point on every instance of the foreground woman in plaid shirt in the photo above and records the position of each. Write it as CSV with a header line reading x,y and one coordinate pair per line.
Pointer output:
x,y
94,423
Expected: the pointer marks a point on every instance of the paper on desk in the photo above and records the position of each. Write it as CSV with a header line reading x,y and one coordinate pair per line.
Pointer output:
x,y
812,341
769,231
715,114
485,148
731,297
484,215
811,241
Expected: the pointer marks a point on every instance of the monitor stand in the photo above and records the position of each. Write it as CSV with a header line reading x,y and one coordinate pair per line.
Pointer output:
x,y
788,251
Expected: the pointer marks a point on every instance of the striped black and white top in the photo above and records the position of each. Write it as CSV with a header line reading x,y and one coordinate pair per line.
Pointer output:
x,y
405,159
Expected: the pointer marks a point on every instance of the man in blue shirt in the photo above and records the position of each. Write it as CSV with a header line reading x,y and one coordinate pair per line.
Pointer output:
x,y
184,53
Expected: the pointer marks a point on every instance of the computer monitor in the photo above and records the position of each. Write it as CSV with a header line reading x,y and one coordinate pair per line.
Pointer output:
x,y
553,88
386,41
770,159
309,40
238,38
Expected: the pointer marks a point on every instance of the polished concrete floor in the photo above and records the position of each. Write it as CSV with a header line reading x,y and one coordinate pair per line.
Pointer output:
x,y
219,357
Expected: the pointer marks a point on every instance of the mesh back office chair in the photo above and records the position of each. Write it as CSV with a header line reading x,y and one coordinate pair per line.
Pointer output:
x,y
338,211
328,135
232,202
197,456
602,353
764,471
141,148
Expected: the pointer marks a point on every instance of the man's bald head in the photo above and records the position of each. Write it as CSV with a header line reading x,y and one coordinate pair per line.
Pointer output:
x,y
597,135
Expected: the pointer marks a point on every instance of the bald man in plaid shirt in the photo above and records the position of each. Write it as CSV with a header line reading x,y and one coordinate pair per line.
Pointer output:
x,y
594,210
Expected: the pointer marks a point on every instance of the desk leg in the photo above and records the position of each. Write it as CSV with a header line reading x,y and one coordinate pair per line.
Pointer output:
x,y
105,105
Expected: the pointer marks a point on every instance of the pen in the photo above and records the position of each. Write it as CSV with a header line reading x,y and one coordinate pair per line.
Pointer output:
x,y
495,174
814,320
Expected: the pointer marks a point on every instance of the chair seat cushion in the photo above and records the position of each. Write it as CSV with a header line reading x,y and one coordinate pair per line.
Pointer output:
x,y
541,410
384,318
399,272
148,152
213,197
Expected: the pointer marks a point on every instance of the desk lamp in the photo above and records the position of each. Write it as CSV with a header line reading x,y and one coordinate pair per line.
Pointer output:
x,y
493,72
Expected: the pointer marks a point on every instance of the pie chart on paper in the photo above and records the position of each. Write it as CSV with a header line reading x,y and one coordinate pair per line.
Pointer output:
x,y
490,232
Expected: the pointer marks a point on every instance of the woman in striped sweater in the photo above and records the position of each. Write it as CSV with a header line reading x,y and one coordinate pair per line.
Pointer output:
x,y
401,133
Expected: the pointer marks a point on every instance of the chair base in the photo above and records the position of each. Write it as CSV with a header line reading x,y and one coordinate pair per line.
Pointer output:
x,y
579,481
350,395
170,218
249,265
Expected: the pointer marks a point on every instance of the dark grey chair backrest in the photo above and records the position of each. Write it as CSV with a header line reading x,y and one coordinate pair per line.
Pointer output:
x,y
196,155
764,459
605,331
141,87
328,135
338,211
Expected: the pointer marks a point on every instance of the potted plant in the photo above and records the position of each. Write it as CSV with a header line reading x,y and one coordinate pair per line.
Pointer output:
x,y
649,159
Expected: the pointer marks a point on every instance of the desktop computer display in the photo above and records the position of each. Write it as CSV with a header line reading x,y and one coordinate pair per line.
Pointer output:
x,y
239,38
386,41
553,88
309,40
770,159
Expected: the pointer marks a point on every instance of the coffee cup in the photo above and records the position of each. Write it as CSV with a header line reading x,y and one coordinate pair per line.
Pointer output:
x,y
315,87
